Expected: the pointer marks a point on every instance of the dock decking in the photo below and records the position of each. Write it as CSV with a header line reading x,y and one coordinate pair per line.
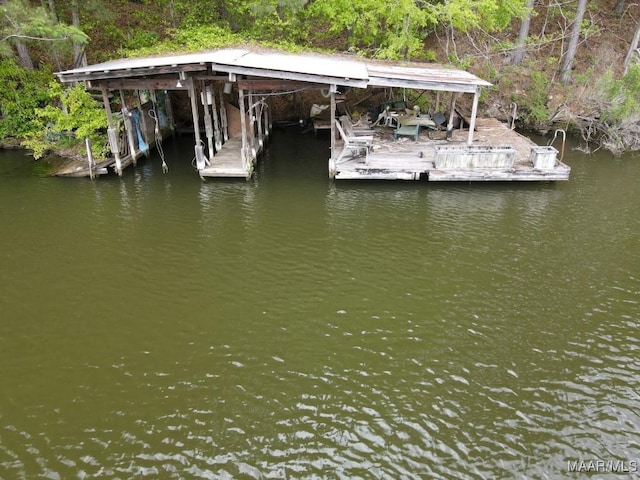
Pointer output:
x,y
406,159
227,162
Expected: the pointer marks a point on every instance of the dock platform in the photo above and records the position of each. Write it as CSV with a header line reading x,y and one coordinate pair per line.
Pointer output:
x,y
406,159
227,162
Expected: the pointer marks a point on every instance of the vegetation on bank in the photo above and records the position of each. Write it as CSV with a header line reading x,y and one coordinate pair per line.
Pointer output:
x,y
565,64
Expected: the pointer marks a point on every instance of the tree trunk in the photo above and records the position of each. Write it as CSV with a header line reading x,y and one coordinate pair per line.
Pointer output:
x,y
23,54
619,7
521,45
52,10
79,56
632,49
570,53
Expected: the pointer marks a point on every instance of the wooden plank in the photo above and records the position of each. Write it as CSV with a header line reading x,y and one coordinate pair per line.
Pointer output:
x,y
128,73
227,162
276,84
144,84
408,160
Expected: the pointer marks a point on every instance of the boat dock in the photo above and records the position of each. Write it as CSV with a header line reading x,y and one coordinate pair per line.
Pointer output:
x,y
230,92
406,159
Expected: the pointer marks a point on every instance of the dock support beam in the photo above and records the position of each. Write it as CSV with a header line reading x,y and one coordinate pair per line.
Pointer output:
x,y
169,111
217,136
252,128
452,112
332,161
223,114
474,112
143,122
259,113
128,127
199,150
205,99
112,134
244,149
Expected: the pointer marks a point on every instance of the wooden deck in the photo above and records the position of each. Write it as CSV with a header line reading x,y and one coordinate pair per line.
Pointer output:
x,y
227,162
406,159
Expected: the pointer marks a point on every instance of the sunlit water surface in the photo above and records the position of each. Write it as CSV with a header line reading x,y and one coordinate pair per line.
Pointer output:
x,y
290,327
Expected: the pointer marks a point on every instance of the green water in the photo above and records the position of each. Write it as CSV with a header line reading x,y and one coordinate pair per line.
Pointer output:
x,y
289,327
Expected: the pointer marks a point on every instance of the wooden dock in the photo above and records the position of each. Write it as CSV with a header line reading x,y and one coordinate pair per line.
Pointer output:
x,y
228,162
406,159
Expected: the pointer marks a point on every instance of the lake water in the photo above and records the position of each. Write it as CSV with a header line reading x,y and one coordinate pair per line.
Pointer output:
x,y
290,327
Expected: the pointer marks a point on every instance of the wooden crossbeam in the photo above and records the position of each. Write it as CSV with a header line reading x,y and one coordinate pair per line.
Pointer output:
x,y
143,84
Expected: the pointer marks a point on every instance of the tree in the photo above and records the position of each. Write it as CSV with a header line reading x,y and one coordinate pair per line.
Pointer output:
x,y
619,7
397,29
572,48
632,49
21,23
520,49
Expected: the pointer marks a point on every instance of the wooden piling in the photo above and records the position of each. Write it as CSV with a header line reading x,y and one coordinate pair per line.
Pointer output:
x,y
128,127
112,134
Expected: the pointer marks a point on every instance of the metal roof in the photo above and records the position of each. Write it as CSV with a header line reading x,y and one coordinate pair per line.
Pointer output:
x,y
316,68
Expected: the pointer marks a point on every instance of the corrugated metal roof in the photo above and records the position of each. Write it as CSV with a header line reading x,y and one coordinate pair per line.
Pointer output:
x,y
318,68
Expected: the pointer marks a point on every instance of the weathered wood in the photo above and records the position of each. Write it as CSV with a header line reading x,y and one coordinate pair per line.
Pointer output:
x,y
128,127
474,113
111,131
228,162
277,84
252,129
223,116
208,122
128,73
244,150
259,110
146,84
217,135
199,150
407,160
474,156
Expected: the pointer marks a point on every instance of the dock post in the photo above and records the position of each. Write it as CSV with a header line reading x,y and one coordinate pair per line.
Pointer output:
x,y
267,122
169,110
223,116
92,163
217,136
199,149
111,131
128,127
260,119
452,112
252,131
205,99
474,112
332,161
244,153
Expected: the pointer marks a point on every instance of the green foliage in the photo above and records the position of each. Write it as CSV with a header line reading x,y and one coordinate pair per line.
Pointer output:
x,y
533,104
490,15
622,95
77,117
21,93
391,30
19,20
142,39
192,39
